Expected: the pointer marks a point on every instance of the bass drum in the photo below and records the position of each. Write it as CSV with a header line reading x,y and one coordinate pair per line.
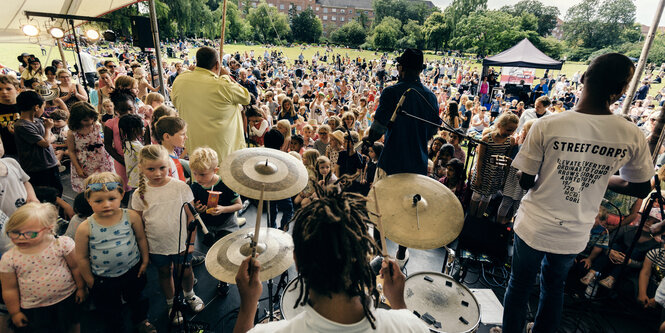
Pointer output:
x,y
288,300
442,303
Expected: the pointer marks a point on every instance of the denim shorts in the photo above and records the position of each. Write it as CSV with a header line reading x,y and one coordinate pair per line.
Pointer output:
x,y
161,260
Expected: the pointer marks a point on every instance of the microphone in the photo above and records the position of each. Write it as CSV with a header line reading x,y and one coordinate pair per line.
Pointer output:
x,y
198,218
399,105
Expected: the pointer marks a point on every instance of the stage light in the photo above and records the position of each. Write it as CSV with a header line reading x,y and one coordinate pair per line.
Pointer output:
x,y
56,32
92,34
30,30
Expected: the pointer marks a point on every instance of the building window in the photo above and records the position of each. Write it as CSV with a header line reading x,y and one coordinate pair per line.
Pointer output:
x,y
342,19
281,6
299,8
317,9
350,11
325,10
271,5
342,11
334,10
333,18
325,17
290,5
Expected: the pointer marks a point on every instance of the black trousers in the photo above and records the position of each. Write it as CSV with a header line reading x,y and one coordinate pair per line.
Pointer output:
x,y
107,295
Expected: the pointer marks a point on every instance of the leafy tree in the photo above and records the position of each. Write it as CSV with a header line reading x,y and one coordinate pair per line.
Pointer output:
x,y
306,27
403,10
120,20
484,32
351,34
414,36
592,24
237,28
269,25
363,20
436,30
459,9
545,15
386,34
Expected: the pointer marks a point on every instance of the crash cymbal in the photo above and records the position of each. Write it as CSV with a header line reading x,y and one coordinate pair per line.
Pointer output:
x,y
247,170
435,221
275,254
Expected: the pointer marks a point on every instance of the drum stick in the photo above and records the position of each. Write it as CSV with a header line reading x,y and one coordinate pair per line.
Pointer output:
x,y
257,227
379,225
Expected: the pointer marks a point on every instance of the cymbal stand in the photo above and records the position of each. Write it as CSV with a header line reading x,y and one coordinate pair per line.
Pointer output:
x,y
179,304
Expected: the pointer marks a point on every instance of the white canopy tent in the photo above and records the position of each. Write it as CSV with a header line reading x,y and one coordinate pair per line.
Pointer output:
x,y
12,15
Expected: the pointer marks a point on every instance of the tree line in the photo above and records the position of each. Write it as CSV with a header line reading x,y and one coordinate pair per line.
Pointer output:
x,y
591,26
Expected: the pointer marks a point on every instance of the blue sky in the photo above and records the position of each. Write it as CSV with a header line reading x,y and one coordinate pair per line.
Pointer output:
x,y
645,8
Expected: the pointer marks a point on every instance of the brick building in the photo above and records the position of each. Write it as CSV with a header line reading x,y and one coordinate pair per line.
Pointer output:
x,y
332,13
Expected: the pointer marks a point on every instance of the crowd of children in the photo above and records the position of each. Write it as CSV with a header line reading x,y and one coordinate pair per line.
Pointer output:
x,y
127,163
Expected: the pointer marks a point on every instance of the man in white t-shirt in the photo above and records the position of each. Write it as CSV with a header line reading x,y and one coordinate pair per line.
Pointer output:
x,y
330,239
539,111
575,156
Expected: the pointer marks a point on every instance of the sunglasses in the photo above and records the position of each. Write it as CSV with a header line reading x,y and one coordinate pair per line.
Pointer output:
x,y
25,235
96,187
111,66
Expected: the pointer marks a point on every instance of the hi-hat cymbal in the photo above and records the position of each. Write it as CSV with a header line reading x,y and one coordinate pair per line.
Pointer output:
x,y
247,170
439,217
275,254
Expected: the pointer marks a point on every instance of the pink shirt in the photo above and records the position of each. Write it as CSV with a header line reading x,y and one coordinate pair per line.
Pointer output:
x,y
43,278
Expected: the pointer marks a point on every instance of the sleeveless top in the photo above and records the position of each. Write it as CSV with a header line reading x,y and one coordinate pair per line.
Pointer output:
x,y
492,175
113,250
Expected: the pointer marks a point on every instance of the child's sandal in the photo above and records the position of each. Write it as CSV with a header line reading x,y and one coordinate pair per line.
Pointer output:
x,y
146,327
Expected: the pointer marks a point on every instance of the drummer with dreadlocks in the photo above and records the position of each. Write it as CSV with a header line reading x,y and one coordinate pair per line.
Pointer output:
x,y
336,285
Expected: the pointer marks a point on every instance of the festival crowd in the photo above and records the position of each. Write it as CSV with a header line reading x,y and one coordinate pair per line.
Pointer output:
x,y
135,156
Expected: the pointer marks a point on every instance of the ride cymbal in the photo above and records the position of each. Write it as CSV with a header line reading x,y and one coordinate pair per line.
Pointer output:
x,y
417,211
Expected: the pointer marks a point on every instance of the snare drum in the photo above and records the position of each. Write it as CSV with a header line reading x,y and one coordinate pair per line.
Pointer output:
x,y
289,297
442,303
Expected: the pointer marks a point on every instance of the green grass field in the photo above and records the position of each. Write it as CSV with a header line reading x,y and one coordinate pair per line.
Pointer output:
x,y
9,52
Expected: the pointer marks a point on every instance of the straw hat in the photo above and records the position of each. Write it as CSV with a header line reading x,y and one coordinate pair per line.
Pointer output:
x,y
338,135
48,94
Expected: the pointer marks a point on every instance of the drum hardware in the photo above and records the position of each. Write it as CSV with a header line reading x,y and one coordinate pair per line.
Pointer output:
x,y
263,174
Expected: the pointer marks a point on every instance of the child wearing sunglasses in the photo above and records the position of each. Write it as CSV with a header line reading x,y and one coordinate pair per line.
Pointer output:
x,y
41,284
112,253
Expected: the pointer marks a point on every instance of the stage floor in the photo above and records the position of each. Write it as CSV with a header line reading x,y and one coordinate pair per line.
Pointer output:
x,y
580,315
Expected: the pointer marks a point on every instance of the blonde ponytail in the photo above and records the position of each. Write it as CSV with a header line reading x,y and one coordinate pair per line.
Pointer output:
x,y
150,153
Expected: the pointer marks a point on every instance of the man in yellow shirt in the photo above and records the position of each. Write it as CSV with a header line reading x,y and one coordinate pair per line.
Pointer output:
x,y
211,105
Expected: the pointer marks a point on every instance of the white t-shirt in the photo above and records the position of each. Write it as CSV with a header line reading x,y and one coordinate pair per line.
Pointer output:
x,y
12,191
162,215
528,115
387,321
574,154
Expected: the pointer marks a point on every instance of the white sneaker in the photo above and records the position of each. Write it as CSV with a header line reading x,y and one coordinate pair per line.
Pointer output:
x,y
402,262
195,303
241,221
177,319
62,168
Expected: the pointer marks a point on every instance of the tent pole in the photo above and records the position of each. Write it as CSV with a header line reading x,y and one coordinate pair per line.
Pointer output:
x,y
221,38
648,41
158,52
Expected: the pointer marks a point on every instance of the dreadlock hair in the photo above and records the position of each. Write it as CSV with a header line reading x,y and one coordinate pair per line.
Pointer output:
x,y
336,223
150,153
131,128
168,125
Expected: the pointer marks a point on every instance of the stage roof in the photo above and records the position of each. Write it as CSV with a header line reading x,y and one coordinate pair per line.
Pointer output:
x,y
524,54
12,15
